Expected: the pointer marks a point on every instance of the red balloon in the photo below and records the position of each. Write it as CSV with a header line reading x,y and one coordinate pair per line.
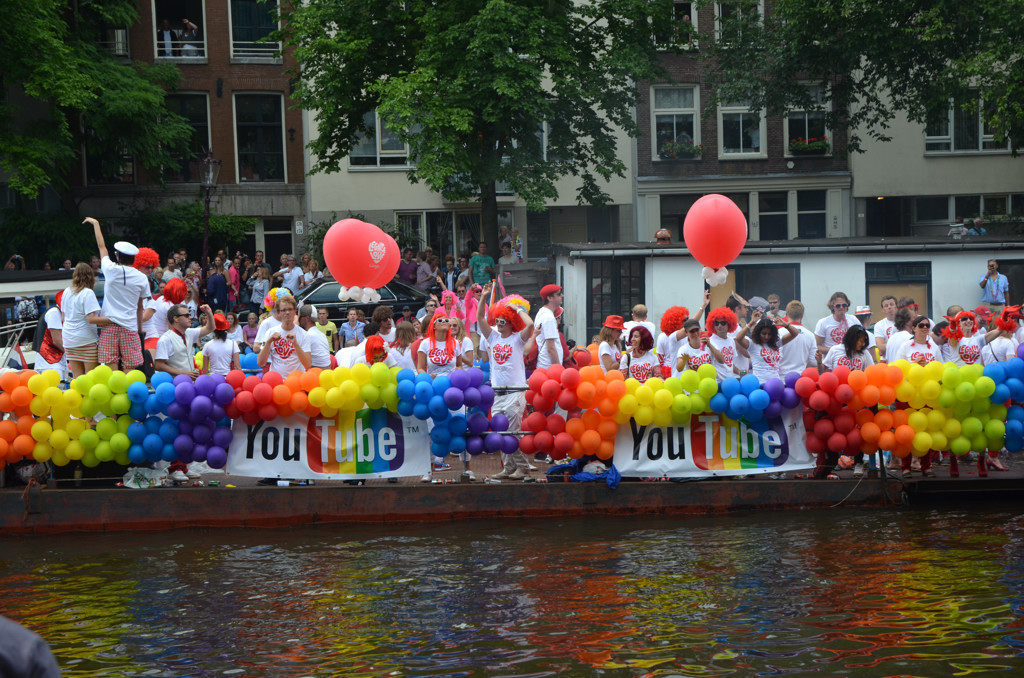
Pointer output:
x,y
570,379
244,402
544,441
235,378
550,389
837,442
567,400
564,443
715,230
527,445
356,253
581,358
804,387
815,444
263,393
844,393
268,412
555,424
273,378
819,400
388,264
535,422
828,382
823,428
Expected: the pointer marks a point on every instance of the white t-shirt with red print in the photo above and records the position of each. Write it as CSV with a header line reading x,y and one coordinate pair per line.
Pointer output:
x,y
508,367
913,351
693,357
642,368
765,362
884,329
668,348
740,361
727,347
967,351
832,330
836,357
439,359
283,358
606,349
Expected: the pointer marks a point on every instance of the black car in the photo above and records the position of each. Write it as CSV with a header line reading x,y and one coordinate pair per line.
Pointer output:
x,y
324,294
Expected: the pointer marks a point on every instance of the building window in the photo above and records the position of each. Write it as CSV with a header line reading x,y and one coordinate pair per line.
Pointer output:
x,y
962,130
760,280
810,214
909,279
773,215
379,147
252,21
730,20
932,208
808,125
192,107
115,41
675,116
260,137
105,165
684,27
741,129
173,38
616,286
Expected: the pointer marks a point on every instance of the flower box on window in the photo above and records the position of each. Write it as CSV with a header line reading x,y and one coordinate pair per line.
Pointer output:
x,y
812,146
679,150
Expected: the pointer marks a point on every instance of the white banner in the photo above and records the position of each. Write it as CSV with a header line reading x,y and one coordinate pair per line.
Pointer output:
x,y
713,445
364,444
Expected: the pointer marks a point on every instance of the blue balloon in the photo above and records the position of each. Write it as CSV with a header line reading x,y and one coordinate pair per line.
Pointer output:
x,y
1014,368
137,411
1015,412
168,453
1001,394
995,371
749,383
152,444
439,450
441,384
421,411
405,374
719,402
165,392
153,424
1016,387
753,415
457,444
759,399
438,408
424,392
137,455
406,408
138,392
406,389
440,434
136,432
739,403
160,378
168,431
457,425
730,387
1014,428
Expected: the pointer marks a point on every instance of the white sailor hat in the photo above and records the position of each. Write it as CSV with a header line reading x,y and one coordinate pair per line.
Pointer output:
x,y
125,247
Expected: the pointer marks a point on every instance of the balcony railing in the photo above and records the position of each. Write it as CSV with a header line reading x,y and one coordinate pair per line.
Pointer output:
x,y
255,50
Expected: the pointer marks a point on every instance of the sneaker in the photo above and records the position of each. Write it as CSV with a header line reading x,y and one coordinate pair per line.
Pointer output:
x,y
193,474
179,477
426,478
858,470
499,476
443,466
518,475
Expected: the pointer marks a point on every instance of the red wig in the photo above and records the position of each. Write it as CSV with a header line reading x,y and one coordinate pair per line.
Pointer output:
x,y
508,313
374,344
146,257
673,318
646,340
1007,320
449,342
953,330
723,313
174,290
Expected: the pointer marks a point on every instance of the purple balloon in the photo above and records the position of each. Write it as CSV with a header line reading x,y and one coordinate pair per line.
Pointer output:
x,y
199,452
790,399
499,422
774,388
183,444
476,376
188,456
184,393
222,437
493,442
216,457
510,443
177,411
182,379
773,410
185,427
453,398
474,445
1020,351
459,379
200,410
217,412
486,397
205,385
471,396
202,433
477,423
223,394
791,378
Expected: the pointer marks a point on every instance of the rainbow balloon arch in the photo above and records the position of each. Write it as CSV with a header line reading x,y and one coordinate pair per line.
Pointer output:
x,y
907,409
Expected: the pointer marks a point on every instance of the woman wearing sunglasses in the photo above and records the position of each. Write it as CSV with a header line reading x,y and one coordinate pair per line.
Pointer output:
x,y
831,329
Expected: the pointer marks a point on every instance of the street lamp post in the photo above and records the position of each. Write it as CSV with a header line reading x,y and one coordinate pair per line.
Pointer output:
x,y
208,174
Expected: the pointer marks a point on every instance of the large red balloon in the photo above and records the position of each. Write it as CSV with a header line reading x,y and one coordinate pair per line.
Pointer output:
x,y
357,254
715,231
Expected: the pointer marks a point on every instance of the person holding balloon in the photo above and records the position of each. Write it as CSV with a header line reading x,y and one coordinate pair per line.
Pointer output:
x,y
287,347
507,328
608,350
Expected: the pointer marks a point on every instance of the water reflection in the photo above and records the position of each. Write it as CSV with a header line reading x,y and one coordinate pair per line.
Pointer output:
x,y
851,593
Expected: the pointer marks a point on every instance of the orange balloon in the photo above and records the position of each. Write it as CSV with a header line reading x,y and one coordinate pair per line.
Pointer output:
x,y
902,451
887,441
875,374
608,429
616,388
310,379
857,380
21,396
868,448
904,435
23,446
577,450
586,391
893,375
615,376
282,394
299,401
312,411
900,417
25,425
591,420
884,420
886,395
8,430
5,448
607,407
9,381
863,416
294,381
5,402
869,395
284,411
25,375
606,450
590,441
575,428
601,387
870,432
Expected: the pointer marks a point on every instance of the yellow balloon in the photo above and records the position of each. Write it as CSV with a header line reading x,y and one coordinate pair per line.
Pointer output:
x,y
37,384
82,384
655,383
936,420
72,398
380,374
674,386
689,381
644,395
934,370
327,379
328,412
74,451
918,421
632,385
136,376
628,404
118,382
939,440
922,443
334,397
318,396
52,378
52,396
59,458
42,452
59,439
916,375
341,375
349,390
931,388
75,428
663,399
707,371
38,407
100,374
361,374
663,417
41,430
644,415
708,387
621,418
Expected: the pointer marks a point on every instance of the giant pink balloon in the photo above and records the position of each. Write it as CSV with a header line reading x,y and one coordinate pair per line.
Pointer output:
x,y
715,231
360,254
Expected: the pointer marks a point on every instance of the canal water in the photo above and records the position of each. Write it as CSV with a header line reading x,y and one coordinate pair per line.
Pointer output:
x,y
917,592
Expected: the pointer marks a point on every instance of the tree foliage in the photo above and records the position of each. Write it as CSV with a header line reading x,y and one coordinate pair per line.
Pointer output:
x,y
469,85
878,60
63,88
167,228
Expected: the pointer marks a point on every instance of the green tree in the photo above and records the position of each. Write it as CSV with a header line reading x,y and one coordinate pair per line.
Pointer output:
x,y
878,60
64,89
167,228
471,85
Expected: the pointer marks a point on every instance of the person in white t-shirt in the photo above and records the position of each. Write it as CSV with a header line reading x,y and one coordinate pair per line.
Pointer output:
x,y
802,351
175,352
639,314
723,323
1003,346
50,355
639,361
290,275
126,289
886,327
287,347
902,325
764,345
549,346
401,350
609,351
154,317
467,353
81,318
831,329
697,350
319,349
667,345
384,317
852,353
438,352
507,328
966,341
220,355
